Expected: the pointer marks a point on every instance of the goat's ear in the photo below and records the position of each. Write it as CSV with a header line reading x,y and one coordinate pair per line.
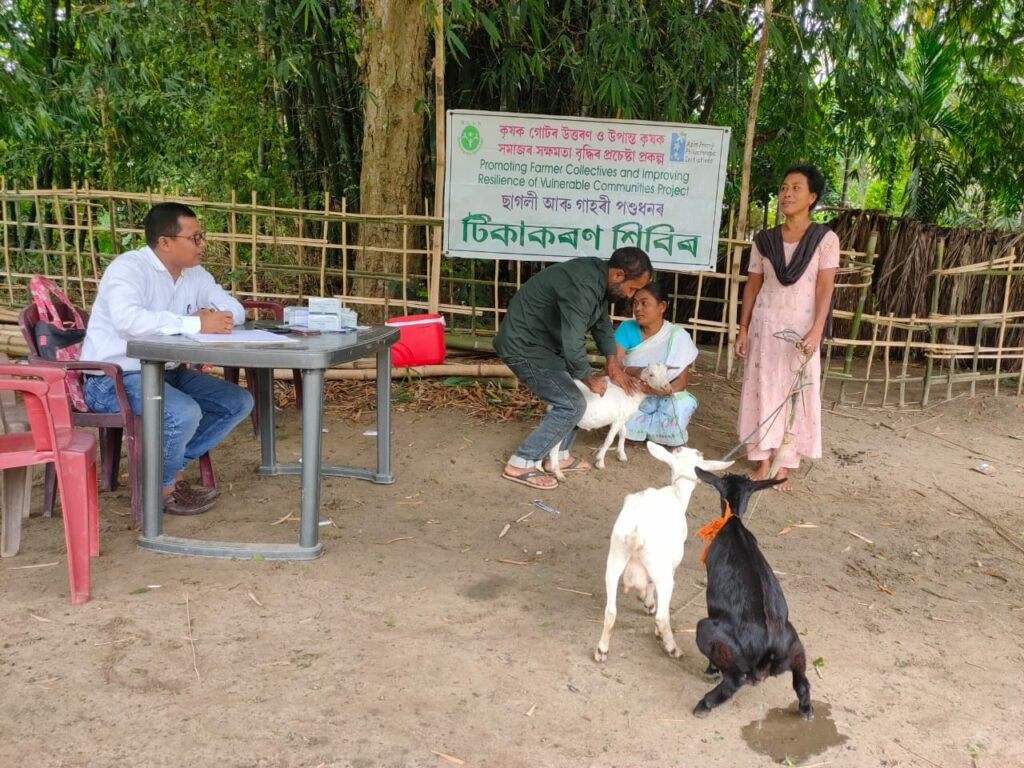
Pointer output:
x,y
713,480
714,466
659,452
760,485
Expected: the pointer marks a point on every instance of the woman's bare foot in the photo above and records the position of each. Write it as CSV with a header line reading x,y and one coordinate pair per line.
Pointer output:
x,y
761,472
785,486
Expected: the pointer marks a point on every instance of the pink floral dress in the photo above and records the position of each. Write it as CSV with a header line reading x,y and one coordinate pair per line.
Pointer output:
x,y
772,364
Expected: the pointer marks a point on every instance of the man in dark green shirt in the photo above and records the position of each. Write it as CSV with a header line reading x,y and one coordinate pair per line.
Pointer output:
x,y
543,339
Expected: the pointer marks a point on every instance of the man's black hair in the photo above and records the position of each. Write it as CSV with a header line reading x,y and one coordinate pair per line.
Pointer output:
x,y
162,221
815,179
633,261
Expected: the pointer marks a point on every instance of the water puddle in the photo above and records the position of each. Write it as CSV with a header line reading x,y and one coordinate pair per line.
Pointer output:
x,y
787,738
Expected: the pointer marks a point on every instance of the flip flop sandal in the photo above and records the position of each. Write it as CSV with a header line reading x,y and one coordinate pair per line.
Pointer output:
x,y
575,466
526,477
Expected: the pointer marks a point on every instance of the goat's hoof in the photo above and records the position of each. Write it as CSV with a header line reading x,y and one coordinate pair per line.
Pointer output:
x,y
712,675
651,609
600,464
702,709
623,458
600,655
675,652
807,714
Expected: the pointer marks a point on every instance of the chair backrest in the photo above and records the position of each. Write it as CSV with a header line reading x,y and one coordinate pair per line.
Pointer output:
x,y
45,399
12,415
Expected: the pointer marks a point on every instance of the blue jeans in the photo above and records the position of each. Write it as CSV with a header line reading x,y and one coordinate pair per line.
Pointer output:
x,y
567,406
199,411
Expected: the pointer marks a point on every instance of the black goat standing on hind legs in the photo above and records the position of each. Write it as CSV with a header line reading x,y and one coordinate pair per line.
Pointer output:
x,y
747,635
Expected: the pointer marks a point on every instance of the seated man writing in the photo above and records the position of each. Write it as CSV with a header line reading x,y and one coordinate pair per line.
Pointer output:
x,y
162,289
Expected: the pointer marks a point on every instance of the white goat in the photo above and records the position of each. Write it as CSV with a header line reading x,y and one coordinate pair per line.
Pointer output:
x,y
613,409
647,543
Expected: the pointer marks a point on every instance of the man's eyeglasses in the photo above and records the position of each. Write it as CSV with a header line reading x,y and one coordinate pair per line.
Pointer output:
x,y
197,238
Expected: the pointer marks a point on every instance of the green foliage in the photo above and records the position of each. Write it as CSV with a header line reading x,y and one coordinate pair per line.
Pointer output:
x,y
915,107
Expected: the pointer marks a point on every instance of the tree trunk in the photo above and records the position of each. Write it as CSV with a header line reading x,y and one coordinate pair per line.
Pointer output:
x,y
748,154
846,180
394,55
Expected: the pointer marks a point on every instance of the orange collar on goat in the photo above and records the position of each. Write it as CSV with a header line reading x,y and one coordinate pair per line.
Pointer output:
x,y
709,531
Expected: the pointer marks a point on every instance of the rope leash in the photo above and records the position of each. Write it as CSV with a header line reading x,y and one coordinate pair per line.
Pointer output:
x,y
799,384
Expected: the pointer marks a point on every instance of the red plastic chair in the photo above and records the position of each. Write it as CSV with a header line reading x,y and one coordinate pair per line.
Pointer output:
x,y
53,440
231,374
112,426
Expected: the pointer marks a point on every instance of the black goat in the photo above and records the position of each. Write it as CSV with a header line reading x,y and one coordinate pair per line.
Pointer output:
x,y
747,635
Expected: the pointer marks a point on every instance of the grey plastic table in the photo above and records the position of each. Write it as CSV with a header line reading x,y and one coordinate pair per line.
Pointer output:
x,y
313,355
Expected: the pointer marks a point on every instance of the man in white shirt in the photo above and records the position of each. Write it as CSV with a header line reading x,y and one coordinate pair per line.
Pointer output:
x,y
162,289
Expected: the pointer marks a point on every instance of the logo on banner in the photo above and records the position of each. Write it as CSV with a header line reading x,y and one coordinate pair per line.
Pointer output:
x,y
677,153
470,140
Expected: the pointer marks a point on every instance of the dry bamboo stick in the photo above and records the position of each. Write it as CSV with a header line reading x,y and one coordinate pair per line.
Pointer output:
x,y
254,226
7,243
233,244
496,314
871,357
933,310
75,233
885,386
405,263
1002,325
906,360
344,250
150,198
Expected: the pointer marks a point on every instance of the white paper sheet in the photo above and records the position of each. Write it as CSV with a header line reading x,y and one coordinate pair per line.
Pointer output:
x,y
242,336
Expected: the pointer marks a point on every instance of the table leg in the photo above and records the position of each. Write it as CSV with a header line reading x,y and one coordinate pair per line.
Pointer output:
x,y
152,448
312,441
265,409
384,417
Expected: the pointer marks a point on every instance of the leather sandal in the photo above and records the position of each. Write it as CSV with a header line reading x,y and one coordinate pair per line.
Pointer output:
x,y
200,493
181,503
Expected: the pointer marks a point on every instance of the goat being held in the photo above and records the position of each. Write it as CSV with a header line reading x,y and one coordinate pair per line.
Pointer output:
x,y
747,635
647,543
613,409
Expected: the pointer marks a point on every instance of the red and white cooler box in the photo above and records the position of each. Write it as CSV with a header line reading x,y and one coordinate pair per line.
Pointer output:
x,y
420,341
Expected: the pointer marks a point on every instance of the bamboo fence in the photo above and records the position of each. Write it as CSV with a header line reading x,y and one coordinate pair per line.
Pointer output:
x,y
919,310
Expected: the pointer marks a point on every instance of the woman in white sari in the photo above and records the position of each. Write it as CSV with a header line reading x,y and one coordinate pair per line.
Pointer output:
x,y
663,417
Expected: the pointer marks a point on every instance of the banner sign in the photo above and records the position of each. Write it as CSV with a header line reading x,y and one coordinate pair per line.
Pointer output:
x,y
550,188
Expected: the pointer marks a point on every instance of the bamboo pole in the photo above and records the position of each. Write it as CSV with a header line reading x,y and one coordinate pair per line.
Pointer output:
x,y
748,152
906,360
440,118
252,256
344,250
871,358
405,264
933,331
233,243
77,250
728,272
4,221
858,311
497,316
885,357
344,253
44,244
979,329
1002,324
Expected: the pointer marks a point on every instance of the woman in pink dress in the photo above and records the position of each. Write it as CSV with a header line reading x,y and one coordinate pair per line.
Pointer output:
x,y
789,287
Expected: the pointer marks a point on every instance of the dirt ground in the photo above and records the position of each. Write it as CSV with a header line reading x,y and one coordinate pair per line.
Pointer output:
x,y
423,637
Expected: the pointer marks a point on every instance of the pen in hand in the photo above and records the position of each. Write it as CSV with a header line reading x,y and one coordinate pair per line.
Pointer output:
x,y
215,320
